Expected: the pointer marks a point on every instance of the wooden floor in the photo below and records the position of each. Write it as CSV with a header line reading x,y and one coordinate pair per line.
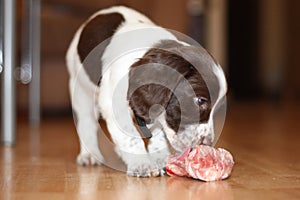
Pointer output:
x,y
264,139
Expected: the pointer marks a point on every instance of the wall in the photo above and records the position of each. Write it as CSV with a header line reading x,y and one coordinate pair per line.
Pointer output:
x,y
273,44
292,80
60,20
276,43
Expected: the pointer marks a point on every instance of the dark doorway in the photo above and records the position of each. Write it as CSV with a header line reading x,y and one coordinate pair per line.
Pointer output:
x,y
243,47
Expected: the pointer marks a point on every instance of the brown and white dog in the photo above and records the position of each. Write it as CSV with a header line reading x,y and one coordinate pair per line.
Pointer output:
x,y
142,80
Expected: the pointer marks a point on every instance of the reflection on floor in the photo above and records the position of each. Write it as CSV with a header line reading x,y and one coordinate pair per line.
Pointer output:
x,y
263,138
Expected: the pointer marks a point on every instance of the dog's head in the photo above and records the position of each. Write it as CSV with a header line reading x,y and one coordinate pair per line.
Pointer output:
x,y
179,87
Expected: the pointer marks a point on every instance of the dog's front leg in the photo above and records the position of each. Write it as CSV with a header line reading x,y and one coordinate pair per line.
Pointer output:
x,y
158,150
131,148
86,124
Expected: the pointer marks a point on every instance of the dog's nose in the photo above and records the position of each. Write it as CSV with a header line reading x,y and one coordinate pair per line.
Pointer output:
x,y
206,134
207,140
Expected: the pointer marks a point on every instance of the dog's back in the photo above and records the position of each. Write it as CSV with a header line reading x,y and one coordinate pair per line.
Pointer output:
x,y
121,65
103,37
99,28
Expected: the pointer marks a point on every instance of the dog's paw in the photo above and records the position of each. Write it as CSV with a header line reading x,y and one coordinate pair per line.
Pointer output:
x,y
88,159
144,170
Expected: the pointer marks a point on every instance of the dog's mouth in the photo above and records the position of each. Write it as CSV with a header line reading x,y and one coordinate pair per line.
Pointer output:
x,y
192,137
205,140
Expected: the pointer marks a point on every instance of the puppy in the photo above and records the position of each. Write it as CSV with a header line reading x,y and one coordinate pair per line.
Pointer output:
x,y
155,89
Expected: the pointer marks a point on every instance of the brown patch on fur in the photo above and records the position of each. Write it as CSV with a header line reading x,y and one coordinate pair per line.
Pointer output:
x,y
96,31
103,126
144,97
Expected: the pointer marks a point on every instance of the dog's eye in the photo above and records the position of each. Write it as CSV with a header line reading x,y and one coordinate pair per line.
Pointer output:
x,y
202,102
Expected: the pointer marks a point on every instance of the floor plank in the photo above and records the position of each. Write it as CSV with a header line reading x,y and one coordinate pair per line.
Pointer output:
x,y
264,139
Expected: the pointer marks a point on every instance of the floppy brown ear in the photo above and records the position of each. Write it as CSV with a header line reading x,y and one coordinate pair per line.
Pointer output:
x,y
152,81
145,97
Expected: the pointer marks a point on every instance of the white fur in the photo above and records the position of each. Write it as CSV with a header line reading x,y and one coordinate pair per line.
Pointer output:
x,y
113,94
114,86
81,86
110,99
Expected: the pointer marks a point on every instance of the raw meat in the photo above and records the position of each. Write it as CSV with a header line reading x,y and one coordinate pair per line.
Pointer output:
x,y
202,162
176,164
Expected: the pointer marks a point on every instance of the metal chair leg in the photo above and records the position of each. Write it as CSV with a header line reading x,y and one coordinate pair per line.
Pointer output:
x,y
30,61
8,82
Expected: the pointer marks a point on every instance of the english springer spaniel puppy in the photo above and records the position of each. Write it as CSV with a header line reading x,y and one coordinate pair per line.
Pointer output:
x,y
155,90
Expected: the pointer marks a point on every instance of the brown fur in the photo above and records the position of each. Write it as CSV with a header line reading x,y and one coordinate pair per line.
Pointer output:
x,y
144,97
97,31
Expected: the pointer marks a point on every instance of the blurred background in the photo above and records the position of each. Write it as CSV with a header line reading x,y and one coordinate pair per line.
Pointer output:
x,y
256,42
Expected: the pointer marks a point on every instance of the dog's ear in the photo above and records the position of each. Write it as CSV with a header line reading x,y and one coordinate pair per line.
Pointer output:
x,y
152,80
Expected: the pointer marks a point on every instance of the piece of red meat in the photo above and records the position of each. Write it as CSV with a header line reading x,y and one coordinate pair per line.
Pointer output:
x,y
203,162
176,164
